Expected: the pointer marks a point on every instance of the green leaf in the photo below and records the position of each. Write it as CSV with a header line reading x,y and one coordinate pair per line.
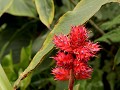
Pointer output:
x,y
113,35
7,64
22,8
111,24
81,85
25,56
24,84
4,82
67,5
117,58
45,64
4,5
84,10
108,12
38,42
45,9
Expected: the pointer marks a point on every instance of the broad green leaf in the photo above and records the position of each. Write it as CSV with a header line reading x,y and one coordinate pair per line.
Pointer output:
x,y
84,10
22,8
108,12
67,5
113,35
45,9
4,5
117,58
4,82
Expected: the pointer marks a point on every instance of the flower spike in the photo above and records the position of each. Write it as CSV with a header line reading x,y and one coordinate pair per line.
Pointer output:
x,y
75,51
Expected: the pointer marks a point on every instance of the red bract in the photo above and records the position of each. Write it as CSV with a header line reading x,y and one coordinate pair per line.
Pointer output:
x,y
87,51
61,74
82,70
78,35
75,51
62,42
64,60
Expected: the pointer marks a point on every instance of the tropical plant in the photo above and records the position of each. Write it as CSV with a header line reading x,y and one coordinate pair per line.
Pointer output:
x,y
27,28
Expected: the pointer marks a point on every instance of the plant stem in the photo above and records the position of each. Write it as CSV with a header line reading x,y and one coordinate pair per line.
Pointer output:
x,y
71,80
99,30
96,27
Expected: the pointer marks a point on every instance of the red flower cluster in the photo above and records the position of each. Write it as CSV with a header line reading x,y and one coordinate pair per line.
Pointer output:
x,y
75,51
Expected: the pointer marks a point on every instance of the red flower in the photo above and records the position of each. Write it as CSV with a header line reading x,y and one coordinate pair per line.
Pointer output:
x,y
75,51
82,70
64,60
61,74
78,36
92,47
62,42
87,51
82,53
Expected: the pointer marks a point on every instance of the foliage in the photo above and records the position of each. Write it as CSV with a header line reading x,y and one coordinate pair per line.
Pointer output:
x,y
27,28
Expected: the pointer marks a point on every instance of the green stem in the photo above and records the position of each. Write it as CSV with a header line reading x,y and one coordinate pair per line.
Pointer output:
x,y
96,27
